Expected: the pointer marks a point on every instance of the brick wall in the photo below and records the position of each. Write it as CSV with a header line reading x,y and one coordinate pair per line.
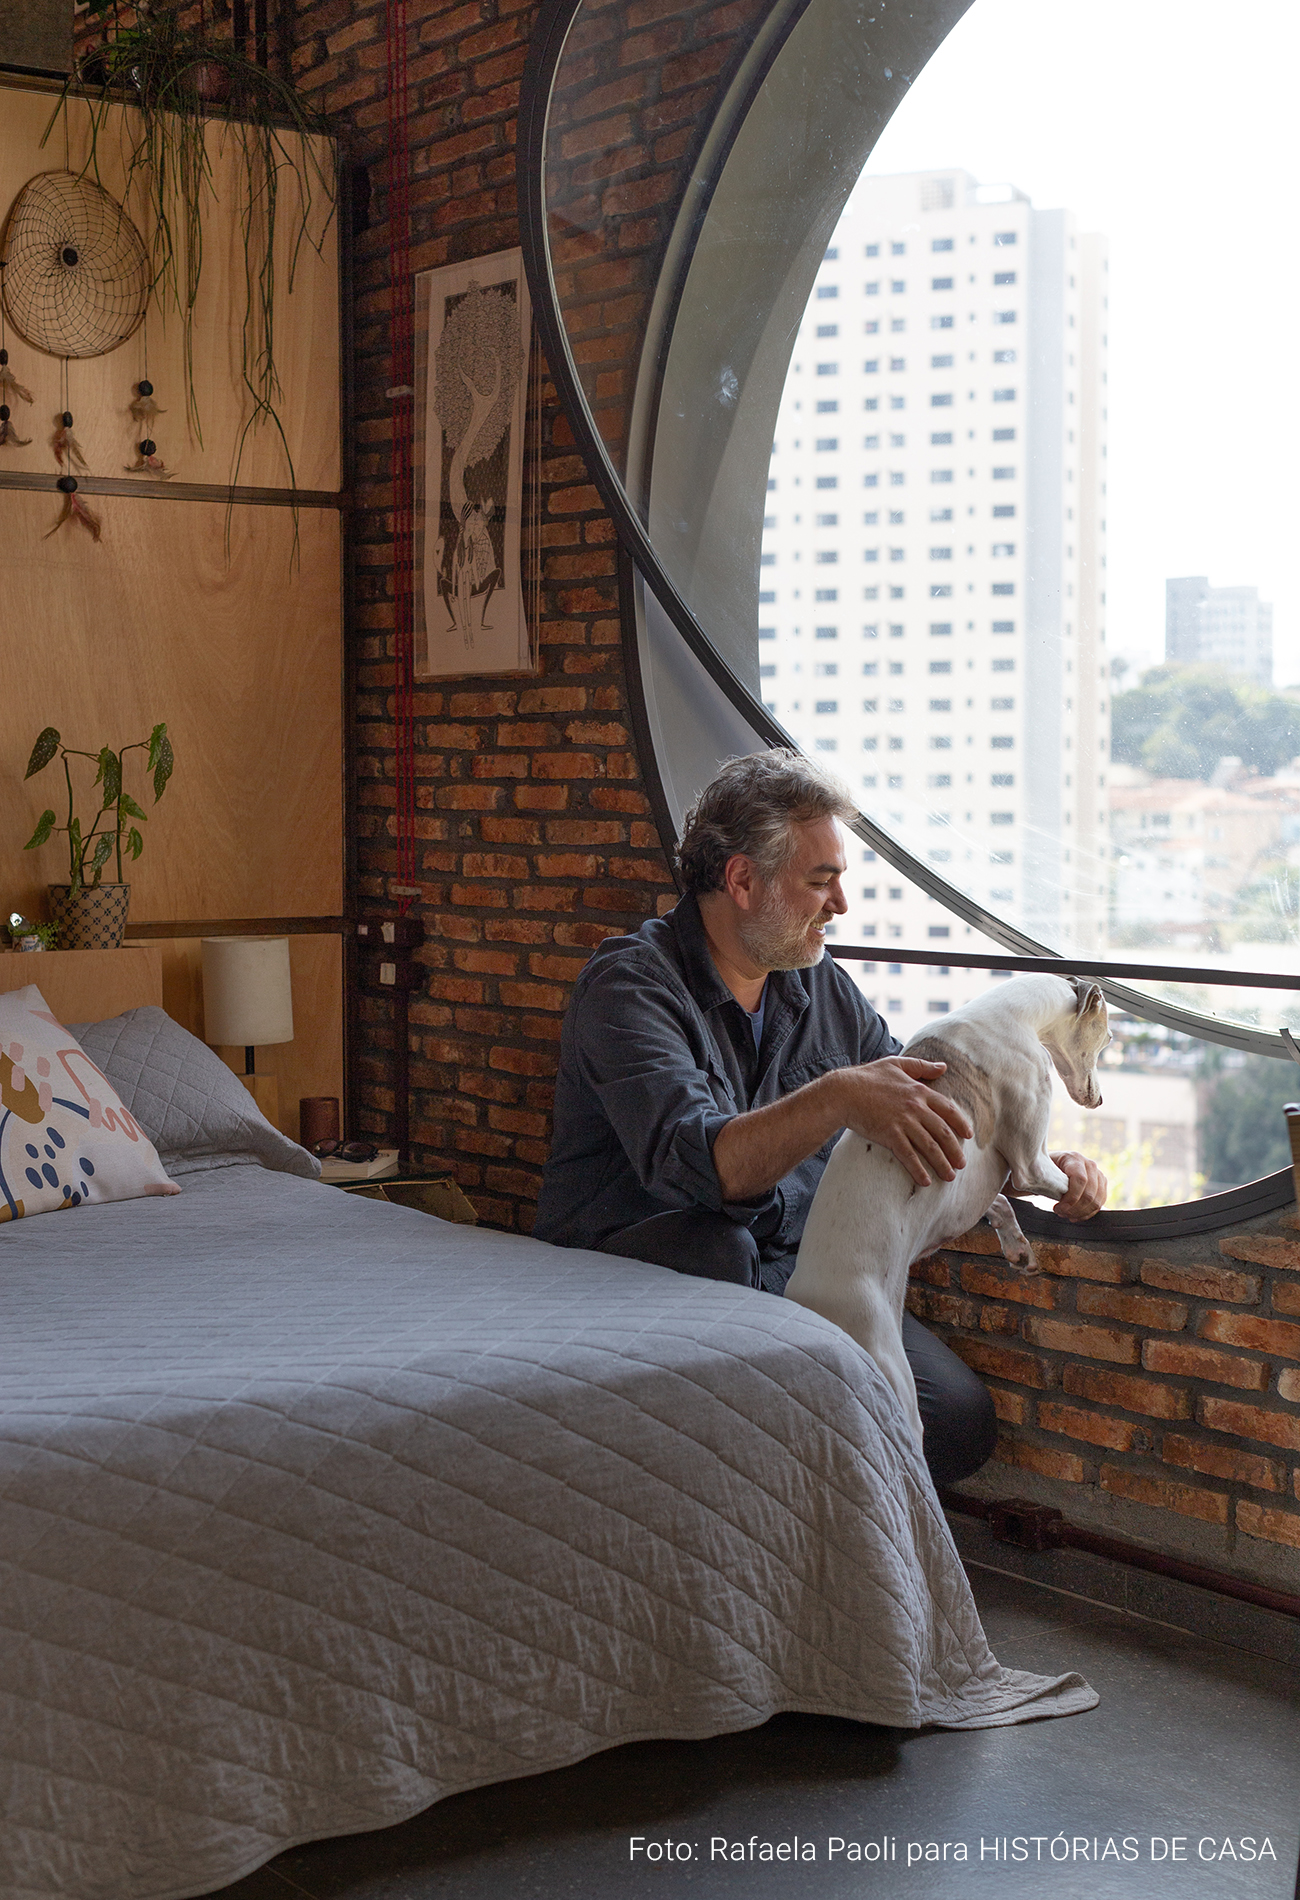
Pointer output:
x,y
1152,1392
535,833
639,83
535,838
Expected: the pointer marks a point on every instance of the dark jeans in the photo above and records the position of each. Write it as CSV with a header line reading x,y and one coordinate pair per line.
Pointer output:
x,y
956,1410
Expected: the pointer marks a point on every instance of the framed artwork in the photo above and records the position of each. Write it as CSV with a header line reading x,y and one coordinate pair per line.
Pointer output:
x,y
473,330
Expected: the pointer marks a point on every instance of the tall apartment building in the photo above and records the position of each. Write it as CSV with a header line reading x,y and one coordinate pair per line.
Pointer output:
x,y
932,593
1219,626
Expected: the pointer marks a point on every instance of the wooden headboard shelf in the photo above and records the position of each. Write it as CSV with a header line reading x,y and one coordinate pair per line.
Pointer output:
x,y
85,986
217,609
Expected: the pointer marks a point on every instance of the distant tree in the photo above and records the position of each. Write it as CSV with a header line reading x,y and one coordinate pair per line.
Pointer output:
x,y
1181,720
1267,910
1242,1127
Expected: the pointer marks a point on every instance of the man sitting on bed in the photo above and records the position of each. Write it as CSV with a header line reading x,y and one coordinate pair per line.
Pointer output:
x,y
710,1061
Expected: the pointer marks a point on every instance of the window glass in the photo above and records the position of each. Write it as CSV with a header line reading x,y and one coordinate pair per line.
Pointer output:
x,y
1154,804
1071,526
1157,806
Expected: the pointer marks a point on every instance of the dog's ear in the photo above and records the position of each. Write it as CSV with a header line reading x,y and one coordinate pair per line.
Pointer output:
x,y
1088,995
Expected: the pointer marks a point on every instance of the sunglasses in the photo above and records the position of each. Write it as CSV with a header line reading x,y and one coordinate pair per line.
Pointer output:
x,y
345,1150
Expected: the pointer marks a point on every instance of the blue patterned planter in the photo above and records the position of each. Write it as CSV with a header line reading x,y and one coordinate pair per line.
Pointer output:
x,y
95,919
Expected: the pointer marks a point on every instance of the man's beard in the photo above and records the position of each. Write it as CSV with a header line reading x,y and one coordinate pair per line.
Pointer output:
x,y
776,936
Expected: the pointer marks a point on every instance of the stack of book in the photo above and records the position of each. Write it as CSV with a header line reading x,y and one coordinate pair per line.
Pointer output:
x,y
384,1164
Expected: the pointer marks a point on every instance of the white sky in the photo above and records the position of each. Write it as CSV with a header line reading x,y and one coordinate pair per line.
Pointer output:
x,y
1169,125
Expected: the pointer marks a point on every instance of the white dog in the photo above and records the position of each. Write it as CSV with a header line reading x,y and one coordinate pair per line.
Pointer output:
x,y
869,1221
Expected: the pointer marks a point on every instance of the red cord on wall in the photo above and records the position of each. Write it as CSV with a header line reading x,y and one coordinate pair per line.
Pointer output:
x,y
402,396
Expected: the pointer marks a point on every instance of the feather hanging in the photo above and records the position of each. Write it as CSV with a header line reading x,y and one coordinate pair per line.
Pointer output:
x,y
9,383
9,436
148,461
74,509
11,390
66,446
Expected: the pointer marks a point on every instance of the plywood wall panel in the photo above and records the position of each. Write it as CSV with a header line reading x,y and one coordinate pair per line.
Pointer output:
x,y
101,388
238,648
84,986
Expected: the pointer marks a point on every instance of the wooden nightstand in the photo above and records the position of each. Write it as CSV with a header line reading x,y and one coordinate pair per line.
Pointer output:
x,y
431,1193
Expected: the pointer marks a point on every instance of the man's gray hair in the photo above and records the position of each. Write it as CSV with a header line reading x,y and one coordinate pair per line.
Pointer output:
x,y
751,808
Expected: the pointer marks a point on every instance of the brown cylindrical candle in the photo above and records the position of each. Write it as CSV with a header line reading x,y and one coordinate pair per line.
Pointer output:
x,y
318,1119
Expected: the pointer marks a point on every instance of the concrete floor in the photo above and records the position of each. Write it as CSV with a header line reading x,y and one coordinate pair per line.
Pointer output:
x,y
1193,1739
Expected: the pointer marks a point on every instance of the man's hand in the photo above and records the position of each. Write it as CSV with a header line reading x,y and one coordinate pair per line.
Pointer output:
x,y
1087,1190
889,1102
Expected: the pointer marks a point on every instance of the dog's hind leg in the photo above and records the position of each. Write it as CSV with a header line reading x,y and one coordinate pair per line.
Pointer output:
x,y
1016,1250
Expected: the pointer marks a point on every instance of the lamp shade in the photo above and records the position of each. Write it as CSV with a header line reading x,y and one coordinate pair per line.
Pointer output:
x,y
247,994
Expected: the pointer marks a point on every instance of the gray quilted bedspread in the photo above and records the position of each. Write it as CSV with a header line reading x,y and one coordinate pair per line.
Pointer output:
x,y
313,1511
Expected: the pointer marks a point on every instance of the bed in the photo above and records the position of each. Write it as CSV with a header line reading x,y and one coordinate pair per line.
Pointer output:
x,y
315,1510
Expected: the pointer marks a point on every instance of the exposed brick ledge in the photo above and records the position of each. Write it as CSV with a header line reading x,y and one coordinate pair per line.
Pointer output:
x,y
1148,1391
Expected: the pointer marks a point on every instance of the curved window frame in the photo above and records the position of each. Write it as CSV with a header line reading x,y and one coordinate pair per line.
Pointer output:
x,y
647,588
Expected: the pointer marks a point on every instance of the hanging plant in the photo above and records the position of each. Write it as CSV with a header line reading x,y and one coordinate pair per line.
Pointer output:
x,y
179,79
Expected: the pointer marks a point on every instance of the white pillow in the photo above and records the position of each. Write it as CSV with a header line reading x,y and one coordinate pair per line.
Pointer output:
x,y
65,1136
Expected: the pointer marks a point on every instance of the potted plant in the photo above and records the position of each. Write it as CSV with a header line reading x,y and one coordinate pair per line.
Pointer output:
x,y
90,914
25,935
178,77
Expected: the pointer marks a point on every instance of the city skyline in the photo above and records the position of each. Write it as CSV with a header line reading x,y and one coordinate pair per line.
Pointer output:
x,y
1204,390
1228,627
931,585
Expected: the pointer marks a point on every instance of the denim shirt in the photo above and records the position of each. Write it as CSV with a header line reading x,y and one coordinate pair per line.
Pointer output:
x,y
657,1056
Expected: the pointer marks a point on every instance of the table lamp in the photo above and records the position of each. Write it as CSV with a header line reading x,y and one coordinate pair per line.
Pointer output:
x,y
248,1002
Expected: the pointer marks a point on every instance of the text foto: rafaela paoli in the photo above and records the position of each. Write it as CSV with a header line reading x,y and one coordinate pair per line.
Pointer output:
x,y
1005,1849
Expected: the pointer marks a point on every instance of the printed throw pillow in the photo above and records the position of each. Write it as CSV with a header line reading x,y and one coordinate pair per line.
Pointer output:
x,y
65,1137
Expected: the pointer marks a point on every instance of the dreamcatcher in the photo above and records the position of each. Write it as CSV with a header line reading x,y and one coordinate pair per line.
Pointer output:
x,y
76,276
76,282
